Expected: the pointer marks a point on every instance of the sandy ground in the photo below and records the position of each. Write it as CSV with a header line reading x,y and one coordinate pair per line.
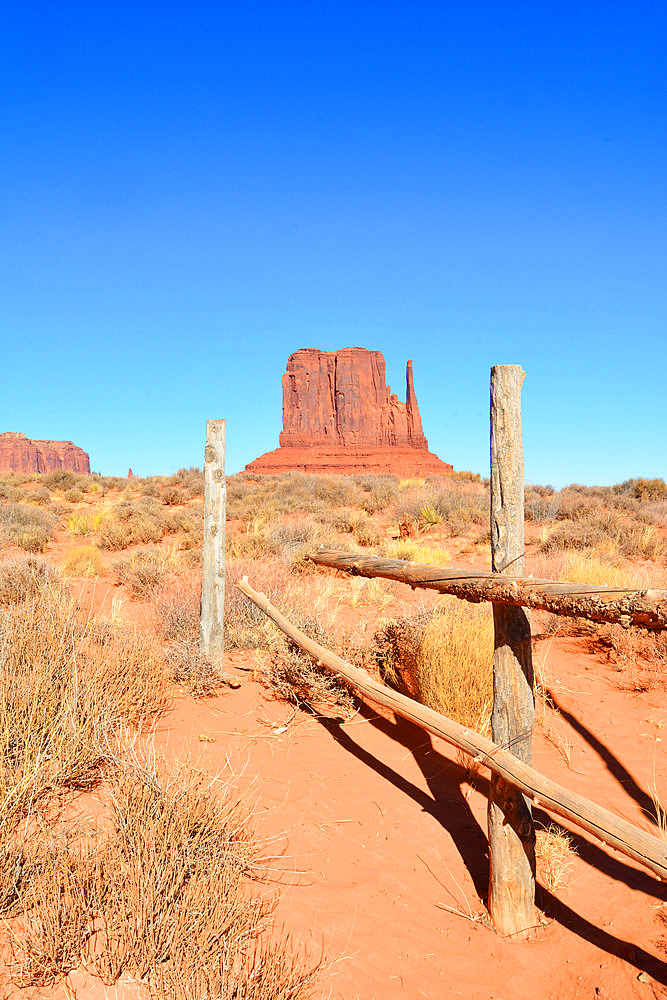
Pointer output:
x,y
375,843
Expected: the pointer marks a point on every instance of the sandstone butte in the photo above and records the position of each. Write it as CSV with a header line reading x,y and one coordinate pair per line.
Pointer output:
x,y
339,415
21,454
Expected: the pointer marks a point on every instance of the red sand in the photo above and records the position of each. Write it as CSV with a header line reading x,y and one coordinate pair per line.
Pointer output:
x,y
375,842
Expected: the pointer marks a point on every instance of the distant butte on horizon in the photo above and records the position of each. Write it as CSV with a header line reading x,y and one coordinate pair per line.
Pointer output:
x,y
21,454
339,415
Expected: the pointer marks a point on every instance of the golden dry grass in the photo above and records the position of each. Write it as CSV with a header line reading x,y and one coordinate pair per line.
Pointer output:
x,y
83,560
553,853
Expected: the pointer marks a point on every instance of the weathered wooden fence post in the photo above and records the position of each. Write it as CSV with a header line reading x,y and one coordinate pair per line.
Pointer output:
x,y
511,831
213,557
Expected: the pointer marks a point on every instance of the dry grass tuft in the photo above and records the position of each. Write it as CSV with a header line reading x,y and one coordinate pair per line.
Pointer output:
x,y
553,852
444,660
84,560
413,552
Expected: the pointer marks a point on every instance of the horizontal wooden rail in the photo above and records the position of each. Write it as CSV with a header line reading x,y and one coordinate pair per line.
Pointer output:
x,y
645,608
612,830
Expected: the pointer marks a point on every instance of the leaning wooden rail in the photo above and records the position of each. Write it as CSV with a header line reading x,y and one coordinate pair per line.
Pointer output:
x,y
646,608
626,838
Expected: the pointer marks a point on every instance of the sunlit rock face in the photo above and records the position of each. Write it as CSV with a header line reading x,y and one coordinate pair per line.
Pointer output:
x,y
21,454
339,415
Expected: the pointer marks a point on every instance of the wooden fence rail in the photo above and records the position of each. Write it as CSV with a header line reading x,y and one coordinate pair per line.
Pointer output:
x,y
644,608
649,851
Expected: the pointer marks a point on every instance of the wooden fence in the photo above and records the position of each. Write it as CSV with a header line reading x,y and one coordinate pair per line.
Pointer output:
x,y
514,782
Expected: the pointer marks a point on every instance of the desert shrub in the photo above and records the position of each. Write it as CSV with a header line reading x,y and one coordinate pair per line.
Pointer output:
x,y
172,496
177,615
26,526
465,477
145,570
190,480
61,479
9,490
295,492
444,659
378,492
540,503
21,579
645,489
366,534
459,507
168,890
65,688
41,496
574,535
188,526
131,522
295,677
606,530
74,495
83,560
295,539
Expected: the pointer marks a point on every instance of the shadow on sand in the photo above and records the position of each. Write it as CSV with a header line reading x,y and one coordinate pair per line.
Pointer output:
x,y
446,802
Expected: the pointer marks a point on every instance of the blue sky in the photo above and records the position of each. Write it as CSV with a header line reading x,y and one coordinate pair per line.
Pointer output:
x,y
190,193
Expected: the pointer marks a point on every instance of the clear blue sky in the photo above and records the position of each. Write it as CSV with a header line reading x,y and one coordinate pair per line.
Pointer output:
x,y
190,192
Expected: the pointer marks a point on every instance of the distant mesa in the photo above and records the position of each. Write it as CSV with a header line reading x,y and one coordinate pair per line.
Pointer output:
x,y
339,415
21,454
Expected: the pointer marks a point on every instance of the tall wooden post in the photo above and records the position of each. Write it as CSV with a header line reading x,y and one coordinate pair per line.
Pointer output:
x,y
213,571
511,831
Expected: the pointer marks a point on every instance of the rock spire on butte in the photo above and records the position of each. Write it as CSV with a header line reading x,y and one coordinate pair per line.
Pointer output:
x,y
339,415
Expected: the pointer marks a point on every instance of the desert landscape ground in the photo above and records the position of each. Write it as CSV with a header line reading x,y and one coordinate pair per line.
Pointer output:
x,y
168,835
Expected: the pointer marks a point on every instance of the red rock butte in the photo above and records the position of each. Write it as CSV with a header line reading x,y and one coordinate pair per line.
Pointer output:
x,y
21,454
339,415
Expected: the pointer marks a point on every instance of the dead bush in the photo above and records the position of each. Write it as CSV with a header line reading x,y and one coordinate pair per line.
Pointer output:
x,y
145,570
165,896
177,613
21,579
66,686
132,522
27,526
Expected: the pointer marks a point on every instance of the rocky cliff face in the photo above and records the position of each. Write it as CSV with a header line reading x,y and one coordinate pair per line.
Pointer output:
x,y
21,454
339,415
342,398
